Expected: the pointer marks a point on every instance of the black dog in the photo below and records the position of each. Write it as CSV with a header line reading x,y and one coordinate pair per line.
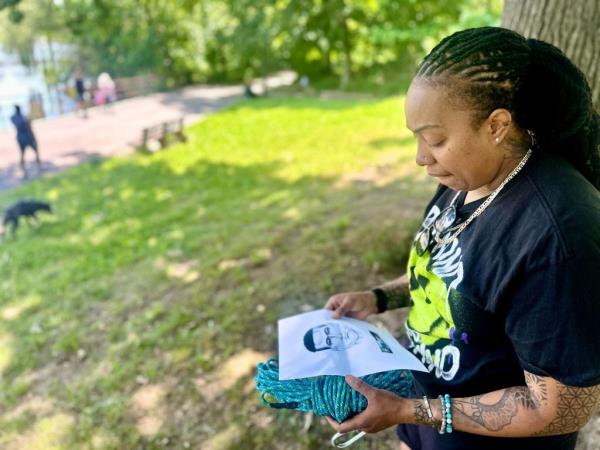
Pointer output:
x,y
24,208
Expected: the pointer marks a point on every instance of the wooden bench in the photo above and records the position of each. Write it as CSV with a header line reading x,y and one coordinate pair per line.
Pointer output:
x,y
159,135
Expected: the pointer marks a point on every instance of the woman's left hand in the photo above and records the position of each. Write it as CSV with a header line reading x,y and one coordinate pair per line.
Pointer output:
x,y
383,409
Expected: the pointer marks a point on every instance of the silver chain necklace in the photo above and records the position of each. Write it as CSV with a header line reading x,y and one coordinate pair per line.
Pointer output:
x,y
481,208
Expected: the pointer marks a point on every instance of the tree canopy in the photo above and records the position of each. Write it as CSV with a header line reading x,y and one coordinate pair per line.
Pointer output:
x,y
202,40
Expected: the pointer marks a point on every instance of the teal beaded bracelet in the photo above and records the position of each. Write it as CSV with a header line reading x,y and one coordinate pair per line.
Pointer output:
x,y
446,407
446,402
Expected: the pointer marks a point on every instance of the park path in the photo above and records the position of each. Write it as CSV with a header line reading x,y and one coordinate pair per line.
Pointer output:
x,y
69,139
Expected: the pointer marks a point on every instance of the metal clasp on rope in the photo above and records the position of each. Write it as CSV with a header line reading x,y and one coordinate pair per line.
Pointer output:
x,y
347,443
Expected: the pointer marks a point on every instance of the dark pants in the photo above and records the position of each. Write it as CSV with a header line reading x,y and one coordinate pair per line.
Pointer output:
x,y
424,438
23,146
416,437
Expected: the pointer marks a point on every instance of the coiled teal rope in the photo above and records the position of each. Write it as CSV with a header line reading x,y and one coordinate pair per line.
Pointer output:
x,y
327,395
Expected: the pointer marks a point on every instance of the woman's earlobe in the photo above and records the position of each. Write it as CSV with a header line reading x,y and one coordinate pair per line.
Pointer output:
x,y
499,124
500,132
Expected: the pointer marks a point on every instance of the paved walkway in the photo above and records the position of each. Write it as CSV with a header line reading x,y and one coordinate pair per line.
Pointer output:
x,y
69,139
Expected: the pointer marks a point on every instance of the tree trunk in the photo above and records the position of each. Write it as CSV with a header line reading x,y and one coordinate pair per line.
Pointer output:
x,y
347,56
571,25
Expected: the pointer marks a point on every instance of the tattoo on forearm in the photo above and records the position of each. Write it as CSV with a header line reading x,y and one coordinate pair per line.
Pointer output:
x,y
575,406
495,416
538,389
397,293
421,416
397,298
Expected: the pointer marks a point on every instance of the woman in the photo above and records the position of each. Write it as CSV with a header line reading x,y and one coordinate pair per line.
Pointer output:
x,y
106,90
503,278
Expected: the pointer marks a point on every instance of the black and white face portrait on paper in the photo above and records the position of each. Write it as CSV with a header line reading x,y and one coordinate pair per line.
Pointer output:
x,y
313,344
331,336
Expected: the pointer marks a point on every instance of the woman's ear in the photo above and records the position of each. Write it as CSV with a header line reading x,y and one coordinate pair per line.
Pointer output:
x,y
499,122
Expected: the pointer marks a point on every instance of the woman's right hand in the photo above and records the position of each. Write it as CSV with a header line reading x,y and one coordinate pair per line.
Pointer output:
x,y
358,305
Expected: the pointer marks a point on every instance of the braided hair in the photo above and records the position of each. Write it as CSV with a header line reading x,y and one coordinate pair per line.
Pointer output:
x,y
490,67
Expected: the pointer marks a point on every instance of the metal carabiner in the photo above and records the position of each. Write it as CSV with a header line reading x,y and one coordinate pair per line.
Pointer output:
x,y
347,443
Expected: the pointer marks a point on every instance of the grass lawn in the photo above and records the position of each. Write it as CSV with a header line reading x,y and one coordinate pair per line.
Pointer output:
x,y
135,316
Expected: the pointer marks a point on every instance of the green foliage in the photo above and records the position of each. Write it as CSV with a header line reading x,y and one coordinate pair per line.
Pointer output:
x,y
14,12
233,40
129,37
28,22
15,15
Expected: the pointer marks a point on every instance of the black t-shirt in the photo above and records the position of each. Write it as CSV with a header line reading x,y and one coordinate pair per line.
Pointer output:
x,y
518,289
79,87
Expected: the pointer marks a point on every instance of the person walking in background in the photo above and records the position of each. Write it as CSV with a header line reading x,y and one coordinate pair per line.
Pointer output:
x,y
80,93
106,90
25,137
248,93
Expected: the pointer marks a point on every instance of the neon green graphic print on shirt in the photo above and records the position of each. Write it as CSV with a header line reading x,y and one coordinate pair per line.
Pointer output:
x,y
433,280
429,314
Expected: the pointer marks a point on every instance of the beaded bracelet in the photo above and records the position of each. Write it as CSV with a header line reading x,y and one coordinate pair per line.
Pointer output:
x,y
446,405
442,428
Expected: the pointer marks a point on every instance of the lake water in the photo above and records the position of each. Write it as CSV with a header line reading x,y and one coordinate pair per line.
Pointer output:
x,y
18,83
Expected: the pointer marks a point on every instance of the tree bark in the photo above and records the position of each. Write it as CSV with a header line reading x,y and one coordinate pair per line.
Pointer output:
x,y
347,55
571,25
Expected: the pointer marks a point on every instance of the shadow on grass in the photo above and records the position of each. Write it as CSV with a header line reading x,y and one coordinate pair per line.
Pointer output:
x,y
118,315
188,104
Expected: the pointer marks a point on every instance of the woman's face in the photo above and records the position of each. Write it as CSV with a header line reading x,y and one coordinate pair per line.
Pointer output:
x,y
459,156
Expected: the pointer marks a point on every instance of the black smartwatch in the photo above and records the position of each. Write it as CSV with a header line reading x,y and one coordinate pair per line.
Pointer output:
x,y
382,300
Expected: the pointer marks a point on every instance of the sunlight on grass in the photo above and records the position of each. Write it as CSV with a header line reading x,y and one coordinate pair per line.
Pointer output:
x,y
6,352
292,213
13,310
102,440
36,406
53,194
171,270
46,434
225,439
184,271
147,405
101,234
